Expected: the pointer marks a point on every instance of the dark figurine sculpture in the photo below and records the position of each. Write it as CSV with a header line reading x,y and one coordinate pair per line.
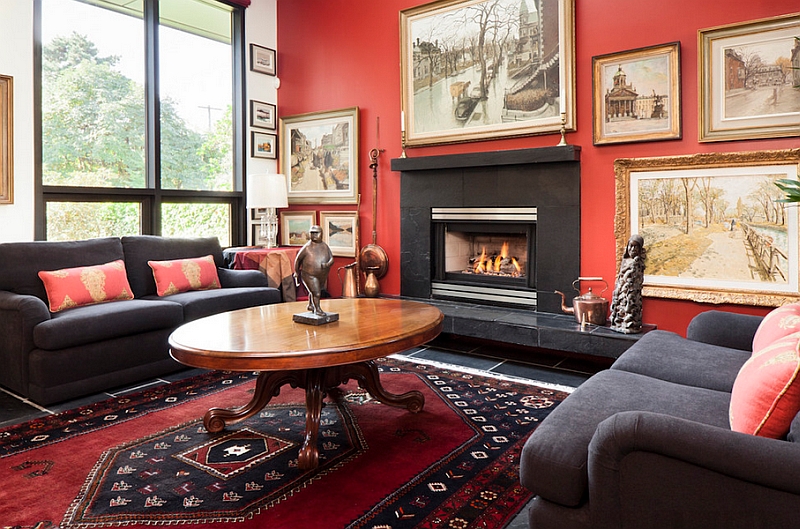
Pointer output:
x,y
312,264
626,303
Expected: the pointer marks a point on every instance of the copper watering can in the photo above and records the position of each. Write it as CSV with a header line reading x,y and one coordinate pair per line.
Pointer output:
x,y
589,307
350,281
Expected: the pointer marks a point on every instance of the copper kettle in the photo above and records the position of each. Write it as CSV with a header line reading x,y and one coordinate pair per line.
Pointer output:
x,y
589,307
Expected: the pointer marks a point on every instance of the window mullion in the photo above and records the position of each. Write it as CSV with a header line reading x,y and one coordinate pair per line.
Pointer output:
x,y
152,112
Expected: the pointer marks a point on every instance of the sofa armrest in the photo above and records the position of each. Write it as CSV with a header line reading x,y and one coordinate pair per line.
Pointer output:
x,y
727,329
652,469
19,314
241,278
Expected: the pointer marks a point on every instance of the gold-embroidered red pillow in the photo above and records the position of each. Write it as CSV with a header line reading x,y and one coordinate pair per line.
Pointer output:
x,y
766,392
780,322
182,275
86,285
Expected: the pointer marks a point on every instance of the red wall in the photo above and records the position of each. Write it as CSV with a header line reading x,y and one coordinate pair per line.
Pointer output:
x,y
333,55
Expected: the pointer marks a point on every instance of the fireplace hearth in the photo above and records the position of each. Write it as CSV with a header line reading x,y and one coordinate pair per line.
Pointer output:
x,y
527,198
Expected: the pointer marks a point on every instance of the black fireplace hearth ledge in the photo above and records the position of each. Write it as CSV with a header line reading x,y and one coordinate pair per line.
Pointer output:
x,y
523,327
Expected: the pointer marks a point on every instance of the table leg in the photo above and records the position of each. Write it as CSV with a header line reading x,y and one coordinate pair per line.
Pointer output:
x,y
368,377
308,458
268,385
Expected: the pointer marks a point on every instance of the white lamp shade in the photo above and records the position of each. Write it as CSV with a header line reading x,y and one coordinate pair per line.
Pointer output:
x,y
266,191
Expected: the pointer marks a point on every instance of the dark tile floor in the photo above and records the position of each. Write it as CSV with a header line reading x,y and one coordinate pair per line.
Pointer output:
x,y
548,367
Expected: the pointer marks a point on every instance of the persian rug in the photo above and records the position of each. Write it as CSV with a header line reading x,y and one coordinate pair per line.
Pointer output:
x,y
146,459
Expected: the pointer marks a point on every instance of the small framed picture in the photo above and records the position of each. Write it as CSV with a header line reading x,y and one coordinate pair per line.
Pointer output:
x,y
637,95
263,145
296,227
340,231
262,60
262,115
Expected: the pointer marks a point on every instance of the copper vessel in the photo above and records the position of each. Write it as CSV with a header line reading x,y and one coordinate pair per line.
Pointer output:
x,y
589,307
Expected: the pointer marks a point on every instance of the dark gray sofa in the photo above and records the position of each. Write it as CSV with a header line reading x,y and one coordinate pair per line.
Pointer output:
x,y
647,443
50,357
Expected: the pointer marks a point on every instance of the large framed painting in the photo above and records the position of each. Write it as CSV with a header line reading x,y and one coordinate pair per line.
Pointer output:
x,y
714,228
749,79
6,139
637,95
319,155
479,69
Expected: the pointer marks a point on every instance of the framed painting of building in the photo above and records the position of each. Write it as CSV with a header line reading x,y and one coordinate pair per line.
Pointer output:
x,y
6,140
319,156
749,76
637,95
714,227
480,69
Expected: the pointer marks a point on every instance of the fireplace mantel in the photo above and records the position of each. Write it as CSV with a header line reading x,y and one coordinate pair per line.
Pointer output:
x,y
562,153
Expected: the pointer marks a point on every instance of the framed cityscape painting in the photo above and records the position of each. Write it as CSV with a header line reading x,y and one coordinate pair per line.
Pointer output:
x,y
749,79
637,95
480,69
319,156
714,227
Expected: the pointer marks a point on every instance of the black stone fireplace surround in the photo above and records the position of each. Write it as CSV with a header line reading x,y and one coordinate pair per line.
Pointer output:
x,y
547,178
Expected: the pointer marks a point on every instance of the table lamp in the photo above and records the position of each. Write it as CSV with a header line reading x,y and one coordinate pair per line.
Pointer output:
x,y
267,192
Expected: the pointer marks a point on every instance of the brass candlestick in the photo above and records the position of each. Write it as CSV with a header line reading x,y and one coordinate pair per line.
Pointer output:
x,y
563,129
403,143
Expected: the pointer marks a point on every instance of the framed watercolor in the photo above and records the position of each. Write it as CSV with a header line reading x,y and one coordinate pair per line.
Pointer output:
x,y
713,228
637,95
262,115
296,227
340,231
321,152
263,60
451,94
6,139
749,79
263,145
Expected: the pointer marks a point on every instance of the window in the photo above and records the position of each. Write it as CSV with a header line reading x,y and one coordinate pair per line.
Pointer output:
x,y
139,114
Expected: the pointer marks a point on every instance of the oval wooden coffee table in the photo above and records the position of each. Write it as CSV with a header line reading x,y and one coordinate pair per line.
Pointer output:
x,y
315,358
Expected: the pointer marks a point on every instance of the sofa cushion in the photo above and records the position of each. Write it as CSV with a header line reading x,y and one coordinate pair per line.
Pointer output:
x,y
21,261
94,323
667,356
766,394
200,303
780,322
183,275
554,459
142,248
86,285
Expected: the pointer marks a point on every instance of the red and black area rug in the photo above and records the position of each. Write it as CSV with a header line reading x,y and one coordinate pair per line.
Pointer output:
x,y
146,459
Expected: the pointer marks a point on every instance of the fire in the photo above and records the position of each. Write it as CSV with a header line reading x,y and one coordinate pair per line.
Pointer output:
x,y
481,267
516,264
502,264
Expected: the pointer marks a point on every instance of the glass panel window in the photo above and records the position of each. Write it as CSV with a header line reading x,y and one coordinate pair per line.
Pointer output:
x,y
194,220
196,117
71,221
93,111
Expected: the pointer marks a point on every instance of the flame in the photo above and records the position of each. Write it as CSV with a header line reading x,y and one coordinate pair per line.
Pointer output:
x,y
504,250
480,267
516,264
497,261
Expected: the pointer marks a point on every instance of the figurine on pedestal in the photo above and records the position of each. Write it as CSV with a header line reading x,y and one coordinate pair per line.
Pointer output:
x,y
312,264
626,303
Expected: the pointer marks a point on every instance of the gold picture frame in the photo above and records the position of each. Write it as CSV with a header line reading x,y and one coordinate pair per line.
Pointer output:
x,y
747,80
296,227
319,156
737,244
6,139
449,95
637,95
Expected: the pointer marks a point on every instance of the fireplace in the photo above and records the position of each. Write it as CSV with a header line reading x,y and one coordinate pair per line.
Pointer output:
x,y
454,206
484,253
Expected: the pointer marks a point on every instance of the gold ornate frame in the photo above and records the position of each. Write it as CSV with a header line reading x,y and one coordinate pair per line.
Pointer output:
x,y
6,139
746,165
657,67
444,24
723,56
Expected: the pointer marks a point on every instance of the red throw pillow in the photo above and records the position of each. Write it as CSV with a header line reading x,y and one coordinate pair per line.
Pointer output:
x,y
86,285
780,322
182,275
766,392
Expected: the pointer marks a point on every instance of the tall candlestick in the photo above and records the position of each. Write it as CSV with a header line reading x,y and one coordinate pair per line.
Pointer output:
x,y
402,121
